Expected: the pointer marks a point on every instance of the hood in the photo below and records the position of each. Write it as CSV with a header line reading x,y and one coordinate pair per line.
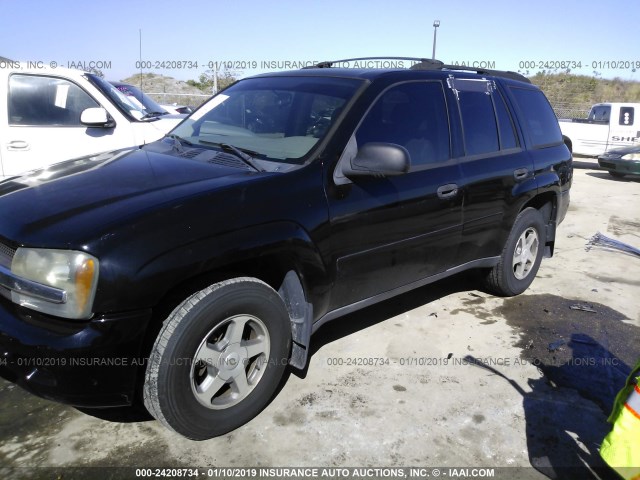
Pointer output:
x,y
166,123
66,204
619,152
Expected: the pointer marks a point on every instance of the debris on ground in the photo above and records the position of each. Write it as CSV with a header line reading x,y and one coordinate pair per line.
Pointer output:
x,y
583,308
556,345
600,240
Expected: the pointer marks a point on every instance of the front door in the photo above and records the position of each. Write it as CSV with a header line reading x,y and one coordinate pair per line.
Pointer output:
x,y
389,232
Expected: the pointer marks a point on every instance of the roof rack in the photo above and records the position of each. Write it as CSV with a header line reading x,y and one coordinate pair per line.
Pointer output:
x,y
430,64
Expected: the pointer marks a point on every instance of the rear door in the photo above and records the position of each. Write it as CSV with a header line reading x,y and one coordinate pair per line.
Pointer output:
x,y
496,169
390,232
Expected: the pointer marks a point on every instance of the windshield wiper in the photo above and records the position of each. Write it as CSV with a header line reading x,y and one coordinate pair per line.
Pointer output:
x,y
153,115
178,141
242,154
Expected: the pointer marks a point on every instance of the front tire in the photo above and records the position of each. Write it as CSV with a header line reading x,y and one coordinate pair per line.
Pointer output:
x,y
218,358
520,257
616,174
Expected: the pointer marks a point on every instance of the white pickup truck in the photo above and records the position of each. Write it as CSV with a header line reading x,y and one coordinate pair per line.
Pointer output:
x,y
51,115
609,125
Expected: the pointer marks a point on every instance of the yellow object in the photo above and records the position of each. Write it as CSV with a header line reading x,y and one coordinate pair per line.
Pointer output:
x,y
621,447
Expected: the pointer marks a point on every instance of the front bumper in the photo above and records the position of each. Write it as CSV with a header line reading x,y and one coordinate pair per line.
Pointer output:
x,y
630,167
89,364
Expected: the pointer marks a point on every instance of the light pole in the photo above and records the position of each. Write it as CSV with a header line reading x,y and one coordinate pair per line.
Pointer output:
x,y
436,24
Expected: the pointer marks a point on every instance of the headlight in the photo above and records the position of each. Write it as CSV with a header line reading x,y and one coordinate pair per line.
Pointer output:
x,y
73,274
631,156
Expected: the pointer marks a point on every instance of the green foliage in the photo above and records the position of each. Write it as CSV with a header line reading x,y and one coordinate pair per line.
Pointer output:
x,y
206,81
573,95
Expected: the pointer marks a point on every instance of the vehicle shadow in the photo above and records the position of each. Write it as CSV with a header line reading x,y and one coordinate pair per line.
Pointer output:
x,y
606,176
343,327
132,414
563,431
367,317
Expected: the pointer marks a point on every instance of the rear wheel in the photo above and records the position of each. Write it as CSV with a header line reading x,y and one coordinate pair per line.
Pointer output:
x,y
520,257
218,358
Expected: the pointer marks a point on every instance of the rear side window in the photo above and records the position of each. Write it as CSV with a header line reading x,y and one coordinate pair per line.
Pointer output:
x,y
626,116
539,119
46,101
505,126
479,121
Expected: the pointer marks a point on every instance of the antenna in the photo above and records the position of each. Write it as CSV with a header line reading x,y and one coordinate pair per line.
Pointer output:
x,y
140,35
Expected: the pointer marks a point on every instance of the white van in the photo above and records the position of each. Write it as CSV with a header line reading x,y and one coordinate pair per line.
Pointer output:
x,y
609,125
51,115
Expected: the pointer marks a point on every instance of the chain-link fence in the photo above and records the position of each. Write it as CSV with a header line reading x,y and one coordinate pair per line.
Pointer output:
x,y
571,110
190,99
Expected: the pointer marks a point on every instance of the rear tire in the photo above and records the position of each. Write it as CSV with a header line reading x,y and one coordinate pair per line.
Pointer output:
x,y
218,358
520,257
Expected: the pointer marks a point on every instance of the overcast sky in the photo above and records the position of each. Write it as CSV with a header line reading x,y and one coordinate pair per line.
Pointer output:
x,y
257,36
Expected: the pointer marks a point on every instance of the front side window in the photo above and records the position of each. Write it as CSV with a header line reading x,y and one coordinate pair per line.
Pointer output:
x,y
600,114
46,101
412,115
277,118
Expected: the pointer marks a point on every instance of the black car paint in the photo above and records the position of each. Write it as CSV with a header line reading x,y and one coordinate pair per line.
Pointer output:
x,y
158,221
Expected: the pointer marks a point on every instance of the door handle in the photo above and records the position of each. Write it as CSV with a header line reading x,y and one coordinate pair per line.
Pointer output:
x,y
447,191
18,145
521,173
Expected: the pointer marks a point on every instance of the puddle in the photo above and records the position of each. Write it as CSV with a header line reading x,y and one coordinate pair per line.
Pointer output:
x,y
590,352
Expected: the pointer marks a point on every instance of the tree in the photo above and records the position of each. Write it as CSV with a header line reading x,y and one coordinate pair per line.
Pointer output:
x,y
206,80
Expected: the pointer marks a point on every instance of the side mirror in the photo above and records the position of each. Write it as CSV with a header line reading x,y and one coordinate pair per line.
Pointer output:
x,y
378,160
96,117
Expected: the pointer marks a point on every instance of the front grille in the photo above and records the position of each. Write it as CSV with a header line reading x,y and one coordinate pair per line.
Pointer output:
x,y
607,164
6,255
5,292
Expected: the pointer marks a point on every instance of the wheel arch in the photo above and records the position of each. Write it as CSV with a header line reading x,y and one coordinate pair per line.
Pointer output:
x,y
547,204
289,264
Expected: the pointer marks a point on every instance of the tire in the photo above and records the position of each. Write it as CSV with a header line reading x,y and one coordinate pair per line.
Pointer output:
x,y
616,174
218,359
518,266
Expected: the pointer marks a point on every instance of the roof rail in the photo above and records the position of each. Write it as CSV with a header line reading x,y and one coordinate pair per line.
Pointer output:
x,y
430,64
329,64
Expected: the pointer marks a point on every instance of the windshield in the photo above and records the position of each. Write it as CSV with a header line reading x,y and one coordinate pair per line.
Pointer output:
x,y
138,97
279,118
133,110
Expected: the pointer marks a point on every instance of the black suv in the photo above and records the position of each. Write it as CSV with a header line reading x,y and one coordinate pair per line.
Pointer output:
x,y
187,274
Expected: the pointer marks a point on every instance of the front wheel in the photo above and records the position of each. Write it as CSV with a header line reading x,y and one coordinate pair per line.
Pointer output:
x,y
616,174
218,358
520,257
